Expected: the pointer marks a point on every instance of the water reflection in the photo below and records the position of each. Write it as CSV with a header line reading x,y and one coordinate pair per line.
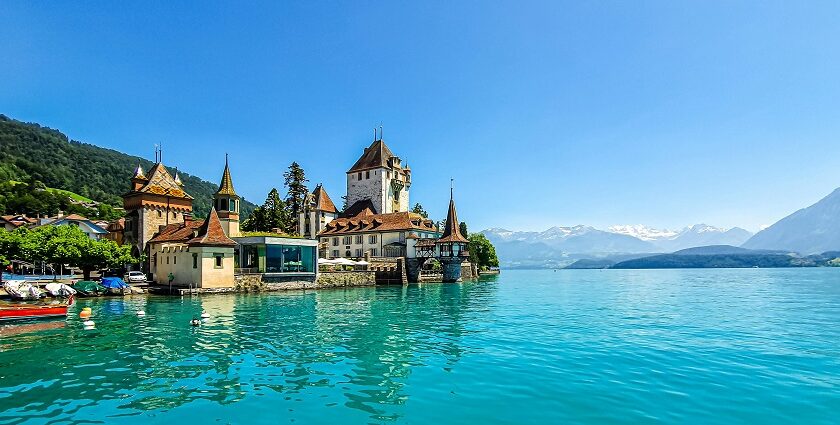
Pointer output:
x,y
362,344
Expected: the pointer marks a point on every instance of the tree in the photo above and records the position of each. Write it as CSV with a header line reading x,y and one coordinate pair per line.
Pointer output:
x,y
271,215
463,228
59,245
418,209
11,247
482,252
296,191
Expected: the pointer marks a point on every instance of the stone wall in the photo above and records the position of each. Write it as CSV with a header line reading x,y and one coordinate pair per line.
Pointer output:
x,y
469,270
389,271
264,283
346,278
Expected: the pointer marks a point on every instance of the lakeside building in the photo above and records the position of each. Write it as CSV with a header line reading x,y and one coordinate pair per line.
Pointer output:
x,y
210,253
377,224
152,203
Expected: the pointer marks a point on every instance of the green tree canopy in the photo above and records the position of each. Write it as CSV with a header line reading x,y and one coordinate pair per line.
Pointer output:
x,y
60,245
482,252
271,215
418,209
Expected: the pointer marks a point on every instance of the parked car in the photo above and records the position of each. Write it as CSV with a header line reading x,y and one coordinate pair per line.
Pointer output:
x,y
135,277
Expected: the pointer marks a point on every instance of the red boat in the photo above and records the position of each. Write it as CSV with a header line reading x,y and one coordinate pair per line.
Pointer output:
x,y
33,311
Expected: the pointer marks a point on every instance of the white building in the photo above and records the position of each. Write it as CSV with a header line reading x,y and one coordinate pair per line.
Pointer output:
x,y
376,235
378,181
319,211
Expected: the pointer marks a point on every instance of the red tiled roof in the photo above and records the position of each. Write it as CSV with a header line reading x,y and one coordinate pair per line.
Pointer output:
x,y
160,182
18,220
375,156
399,221
178,232
211,233
323,201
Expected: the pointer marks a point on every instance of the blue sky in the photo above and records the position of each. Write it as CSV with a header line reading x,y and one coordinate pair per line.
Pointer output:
x,y
545,113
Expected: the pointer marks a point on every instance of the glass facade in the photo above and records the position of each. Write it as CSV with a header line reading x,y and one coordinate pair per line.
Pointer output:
x,y
275,258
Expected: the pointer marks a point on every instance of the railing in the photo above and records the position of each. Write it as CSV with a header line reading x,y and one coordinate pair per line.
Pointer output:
x,y
247,270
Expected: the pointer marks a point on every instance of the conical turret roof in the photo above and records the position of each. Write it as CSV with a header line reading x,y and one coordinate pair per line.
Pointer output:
x,y
226,185
452,229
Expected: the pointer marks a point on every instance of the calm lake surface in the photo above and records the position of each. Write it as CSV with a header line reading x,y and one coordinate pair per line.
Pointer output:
x,y
579,346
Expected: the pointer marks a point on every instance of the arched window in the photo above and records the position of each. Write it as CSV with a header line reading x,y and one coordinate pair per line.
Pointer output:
x,y
160,214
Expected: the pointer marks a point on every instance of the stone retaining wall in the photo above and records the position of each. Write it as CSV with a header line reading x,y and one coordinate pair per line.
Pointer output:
x,y
346,278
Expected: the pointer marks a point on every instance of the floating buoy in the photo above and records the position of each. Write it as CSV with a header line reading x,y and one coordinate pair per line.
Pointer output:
x,y
89,323
141,313
84,314
195,322
205,314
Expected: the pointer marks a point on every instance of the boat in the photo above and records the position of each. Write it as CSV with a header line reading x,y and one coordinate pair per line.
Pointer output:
x,y
22,290
59,289
115,286
88,288
21,311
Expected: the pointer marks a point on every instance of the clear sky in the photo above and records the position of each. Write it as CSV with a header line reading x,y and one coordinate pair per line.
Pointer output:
x,y
546,113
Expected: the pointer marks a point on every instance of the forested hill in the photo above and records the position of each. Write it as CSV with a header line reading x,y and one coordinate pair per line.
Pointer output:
x,y
29,152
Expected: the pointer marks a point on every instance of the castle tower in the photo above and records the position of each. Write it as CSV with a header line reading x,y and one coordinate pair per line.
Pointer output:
x,y
153,202
452,245
379,181
226,204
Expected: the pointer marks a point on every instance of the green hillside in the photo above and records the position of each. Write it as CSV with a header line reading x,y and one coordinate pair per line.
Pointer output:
x,y
32,153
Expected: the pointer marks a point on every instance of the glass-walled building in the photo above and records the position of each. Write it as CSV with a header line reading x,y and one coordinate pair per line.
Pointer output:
x,y
275,255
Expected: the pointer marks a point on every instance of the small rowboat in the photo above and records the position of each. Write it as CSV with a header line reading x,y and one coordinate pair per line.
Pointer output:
x,y
34,311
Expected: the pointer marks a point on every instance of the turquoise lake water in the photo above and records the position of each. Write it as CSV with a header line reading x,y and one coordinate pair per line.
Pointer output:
x,y
577,346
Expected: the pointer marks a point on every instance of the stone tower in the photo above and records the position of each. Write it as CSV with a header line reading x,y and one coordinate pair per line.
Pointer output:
x,y
378,180
153,202
226,204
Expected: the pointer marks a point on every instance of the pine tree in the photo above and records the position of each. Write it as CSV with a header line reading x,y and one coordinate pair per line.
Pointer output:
x,y
271,215
418,209
295,197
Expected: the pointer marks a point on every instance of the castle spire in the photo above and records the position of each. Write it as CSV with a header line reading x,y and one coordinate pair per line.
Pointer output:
x,y
226,185
452,229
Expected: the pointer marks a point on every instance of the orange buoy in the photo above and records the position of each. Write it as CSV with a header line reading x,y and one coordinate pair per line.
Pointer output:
x,y
84,314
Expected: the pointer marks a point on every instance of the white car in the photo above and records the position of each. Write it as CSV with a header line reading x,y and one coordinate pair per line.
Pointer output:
x,y
135,277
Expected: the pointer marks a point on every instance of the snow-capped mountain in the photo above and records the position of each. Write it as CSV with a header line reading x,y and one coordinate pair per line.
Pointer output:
x,y
562,243
643,232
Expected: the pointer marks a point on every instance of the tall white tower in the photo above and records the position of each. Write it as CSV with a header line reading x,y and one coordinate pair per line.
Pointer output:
x,y
379,181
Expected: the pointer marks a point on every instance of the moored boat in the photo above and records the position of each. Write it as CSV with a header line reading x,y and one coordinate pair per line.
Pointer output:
x,y
115,286
87,288
22,290
11,311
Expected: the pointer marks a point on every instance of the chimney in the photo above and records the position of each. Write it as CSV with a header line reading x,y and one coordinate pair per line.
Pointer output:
x,y
188,217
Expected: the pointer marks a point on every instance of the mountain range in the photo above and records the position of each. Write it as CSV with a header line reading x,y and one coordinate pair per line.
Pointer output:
x,y
805,233
559,246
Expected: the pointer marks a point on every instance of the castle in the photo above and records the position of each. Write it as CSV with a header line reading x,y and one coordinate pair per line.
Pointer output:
x,y
377,223
210,253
